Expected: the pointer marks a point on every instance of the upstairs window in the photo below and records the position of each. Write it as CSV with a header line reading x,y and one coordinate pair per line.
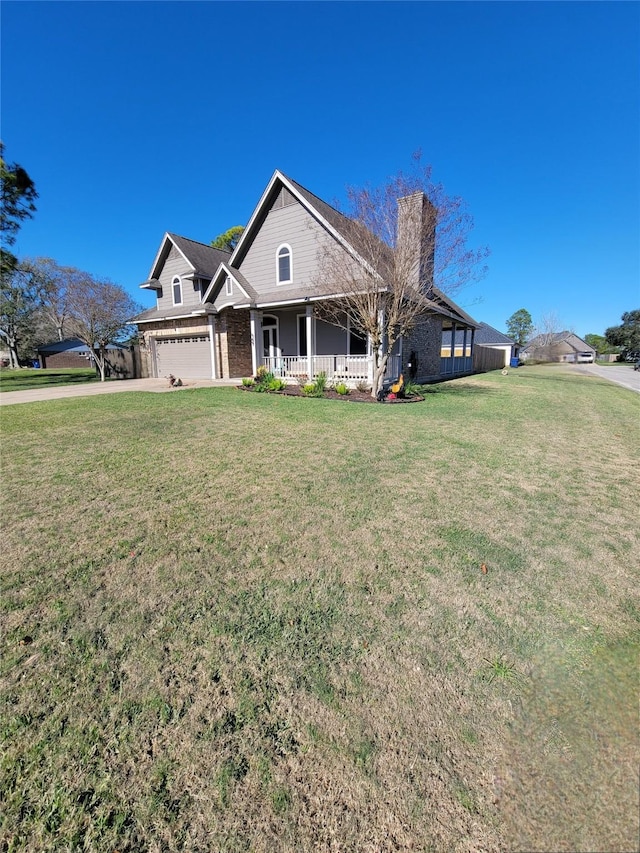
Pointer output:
x,y
176,286
283,261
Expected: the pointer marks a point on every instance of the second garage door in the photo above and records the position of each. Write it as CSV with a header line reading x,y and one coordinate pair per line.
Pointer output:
x,y
184,357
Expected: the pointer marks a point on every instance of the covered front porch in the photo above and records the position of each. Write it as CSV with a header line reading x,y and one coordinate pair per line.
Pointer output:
x,y
296,345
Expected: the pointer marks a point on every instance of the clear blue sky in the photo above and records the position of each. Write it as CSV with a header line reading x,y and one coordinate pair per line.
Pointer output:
x,y
136,118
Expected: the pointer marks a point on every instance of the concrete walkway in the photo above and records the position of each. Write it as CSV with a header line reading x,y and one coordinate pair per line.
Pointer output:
x,y
91,389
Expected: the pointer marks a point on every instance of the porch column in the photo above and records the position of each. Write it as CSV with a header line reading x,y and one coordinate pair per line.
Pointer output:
x,y
464,347
254,317
473,336
212,345
310,342
453,348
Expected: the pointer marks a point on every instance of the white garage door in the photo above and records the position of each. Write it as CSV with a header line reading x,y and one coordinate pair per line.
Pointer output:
x,y
186,358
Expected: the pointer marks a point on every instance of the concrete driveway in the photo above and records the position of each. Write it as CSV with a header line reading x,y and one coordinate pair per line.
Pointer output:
x,y
621,374
91,389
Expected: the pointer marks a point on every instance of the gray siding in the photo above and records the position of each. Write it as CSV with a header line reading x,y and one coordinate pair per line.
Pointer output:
x,y
176,265
293,225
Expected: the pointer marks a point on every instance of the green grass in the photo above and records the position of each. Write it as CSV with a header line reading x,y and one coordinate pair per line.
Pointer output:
x,y
241,622
27,378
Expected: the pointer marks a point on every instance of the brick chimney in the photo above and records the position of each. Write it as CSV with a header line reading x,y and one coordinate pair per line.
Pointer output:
x,y
415,244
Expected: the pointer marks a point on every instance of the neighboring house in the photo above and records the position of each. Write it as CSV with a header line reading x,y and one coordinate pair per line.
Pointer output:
x,y
485,336
121,363
223,314
558,346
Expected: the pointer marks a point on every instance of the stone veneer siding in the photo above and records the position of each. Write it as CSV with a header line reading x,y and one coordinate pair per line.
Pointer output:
x,y
233,331
425,341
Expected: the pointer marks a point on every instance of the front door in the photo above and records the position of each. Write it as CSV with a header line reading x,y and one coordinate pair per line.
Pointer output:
x,y
270,338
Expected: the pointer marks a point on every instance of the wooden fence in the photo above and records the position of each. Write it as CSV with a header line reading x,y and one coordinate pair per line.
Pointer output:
x,y
487,358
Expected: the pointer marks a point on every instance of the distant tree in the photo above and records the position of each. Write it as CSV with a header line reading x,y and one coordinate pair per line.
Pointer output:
x,y
520,326
18,309
599,343
98,313
627,335
51,282
229,239
411,242
545,344
17,202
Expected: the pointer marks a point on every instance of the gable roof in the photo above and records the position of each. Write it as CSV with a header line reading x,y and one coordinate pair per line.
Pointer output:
x,y
567,337
336,224
204,260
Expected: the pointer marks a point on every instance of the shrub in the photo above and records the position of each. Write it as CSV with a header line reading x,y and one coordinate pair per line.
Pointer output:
x,y
248,382
341,388
309,389
321,382
363,386
275,384
261,373
412,389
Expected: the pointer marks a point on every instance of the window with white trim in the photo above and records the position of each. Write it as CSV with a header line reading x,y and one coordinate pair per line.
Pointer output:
x,y
176,287
229,286
284,271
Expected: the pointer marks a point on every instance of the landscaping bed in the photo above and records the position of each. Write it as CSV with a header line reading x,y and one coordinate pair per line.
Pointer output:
x,y
354,396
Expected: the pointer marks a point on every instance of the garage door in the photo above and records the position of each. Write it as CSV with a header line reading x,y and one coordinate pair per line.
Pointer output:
x,y
186,358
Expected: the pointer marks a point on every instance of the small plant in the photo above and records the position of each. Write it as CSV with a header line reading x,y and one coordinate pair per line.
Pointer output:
x,y
248,382
321,382
500,668
362,386
309,389
276,384
261,373
341,388
412,389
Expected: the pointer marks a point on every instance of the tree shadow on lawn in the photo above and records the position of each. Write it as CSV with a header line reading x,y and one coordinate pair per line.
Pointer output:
x,y
21,379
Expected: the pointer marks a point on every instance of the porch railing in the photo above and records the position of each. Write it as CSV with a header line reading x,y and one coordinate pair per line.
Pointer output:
x,y
458,364
347,368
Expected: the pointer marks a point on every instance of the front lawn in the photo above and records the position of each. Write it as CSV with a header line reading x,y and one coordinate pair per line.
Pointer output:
x,y
26,378
244,622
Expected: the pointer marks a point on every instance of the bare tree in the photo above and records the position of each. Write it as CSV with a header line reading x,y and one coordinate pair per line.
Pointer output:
x,y
51,283
546,337
407,245
98,313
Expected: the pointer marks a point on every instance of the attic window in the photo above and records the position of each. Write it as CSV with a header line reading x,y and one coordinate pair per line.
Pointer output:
x,y
229,286
283,260
176,286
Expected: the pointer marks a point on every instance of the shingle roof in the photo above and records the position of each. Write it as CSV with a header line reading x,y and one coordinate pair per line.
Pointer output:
x,y
486,334
71,345
152,315
205,259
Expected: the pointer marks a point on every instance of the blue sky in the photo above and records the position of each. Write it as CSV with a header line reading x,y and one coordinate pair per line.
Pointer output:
x,y
136,118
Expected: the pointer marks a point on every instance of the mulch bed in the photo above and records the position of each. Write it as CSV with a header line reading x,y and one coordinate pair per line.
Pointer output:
x,y
354,396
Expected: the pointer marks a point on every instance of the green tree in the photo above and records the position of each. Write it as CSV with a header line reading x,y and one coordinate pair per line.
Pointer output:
x,y
599,343
520,326
229,239
18,195
627,334
18,309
